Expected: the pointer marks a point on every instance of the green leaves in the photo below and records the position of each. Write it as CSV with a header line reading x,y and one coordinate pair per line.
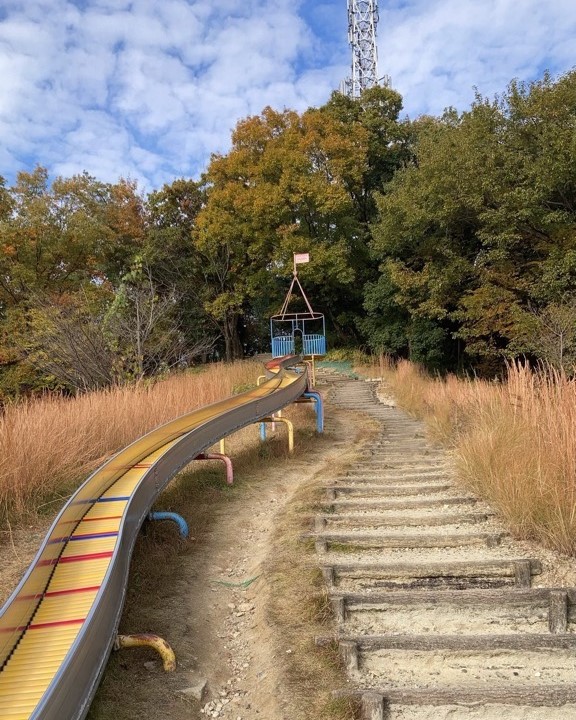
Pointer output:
x,y
88,272
478,231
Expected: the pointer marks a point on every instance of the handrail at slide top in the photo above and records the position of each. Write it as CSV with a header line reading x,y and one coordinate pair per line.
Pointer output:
x,y
153,460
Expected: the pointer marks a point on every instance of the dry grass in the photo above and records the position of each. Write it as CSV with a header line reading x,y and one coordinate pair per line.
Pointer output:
x,y
71,436
49,445
514,442
299,609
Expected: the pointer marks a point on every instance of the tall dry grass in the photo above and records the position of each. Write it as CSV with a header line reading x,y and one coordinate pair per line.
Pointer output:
x,y
514,442
48,445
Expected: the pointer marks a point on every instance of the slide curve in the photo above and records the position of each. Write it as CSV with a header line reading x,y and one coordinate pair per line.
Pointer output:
x,y
58,627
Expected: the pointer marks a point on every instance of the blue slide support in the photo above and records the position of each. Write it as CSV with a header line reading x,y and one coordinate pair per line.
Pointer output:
x,y
178,519
318,408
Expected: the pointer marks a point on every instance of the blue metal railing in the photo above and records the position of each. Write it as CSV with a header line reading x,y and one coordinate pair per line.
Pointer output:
x,y
282,345
313,345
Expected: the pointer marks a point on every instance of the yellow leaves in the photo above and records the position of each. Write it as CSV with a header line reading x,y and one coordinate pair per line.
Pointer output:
x,y
9,250
220,306
286,176
282,159
126,211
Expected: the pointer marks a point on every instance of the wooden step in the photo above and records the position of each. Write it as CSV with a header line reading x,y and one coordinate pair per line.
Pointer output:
x,y
424,540
384,489
321,521
404,504
429,642
521,570
396,478
560,602
375,700
511,596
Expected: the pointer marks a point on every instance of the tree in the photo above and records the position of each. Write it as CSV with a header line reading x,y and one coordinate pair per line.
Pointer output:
x,y
553,336
65,340
386,324
478,230
143,329
389,140
173,259
52,243
51,238
426,235
290,183
60,244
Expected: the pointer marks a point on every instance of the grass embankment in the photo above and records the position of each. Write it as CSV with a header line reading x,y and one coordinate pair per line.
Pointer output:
x,y
514,442
50,445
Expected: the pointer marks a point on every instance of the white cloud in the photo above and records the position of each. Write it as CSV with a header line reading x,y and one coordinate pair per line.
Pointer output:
x,y
436,52
142,88
149,89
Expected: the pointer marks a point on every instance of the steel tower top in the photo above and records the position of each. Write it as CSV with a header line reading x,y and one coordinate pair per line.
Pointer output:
x,y
362,23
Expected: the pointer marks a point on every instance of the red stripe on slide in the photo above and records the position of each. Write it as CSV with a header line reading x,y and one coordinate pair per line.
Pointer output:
x,y
75,558
20,628
88,556
71,591
56,623
55,593
40,626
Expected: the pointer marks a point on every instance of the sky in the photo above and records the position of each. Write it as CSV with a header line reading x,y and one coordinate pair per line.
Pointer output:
x,y
148,89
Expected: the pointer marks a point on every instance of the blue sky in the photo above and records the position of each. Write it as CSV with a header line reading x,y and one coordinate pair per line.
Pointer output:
x,y
147,89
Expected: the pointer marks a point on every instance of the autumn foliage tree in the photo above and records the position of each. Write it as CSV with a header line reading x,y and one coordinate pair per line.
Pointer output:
x,y
67,251
294,183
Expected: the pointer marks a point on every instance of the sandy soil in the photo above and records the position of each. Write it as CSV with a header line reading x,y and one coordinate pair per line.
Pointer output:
x,y
240,653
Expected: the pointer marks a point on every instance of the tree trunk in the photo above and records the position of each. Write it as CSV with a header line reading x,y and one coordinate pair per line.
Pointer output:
x,y
232,345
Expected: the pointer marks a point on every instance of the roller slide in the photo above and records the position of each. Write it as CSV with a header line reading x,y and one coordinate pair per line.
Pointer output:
x,y
58,627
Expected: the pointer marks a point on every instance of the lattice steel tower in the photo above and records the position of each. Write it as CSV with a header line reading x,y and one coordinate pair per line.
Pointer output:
x,y
362,23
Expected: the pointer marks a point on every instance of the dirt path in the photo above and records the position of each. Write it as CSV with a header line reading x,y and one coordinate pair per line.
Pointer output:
x,y
236,653
211,597
241,655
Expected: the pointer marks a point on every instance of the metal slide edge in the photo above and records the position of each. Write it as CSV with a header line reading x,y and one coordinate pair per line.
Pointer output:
x,y
73,687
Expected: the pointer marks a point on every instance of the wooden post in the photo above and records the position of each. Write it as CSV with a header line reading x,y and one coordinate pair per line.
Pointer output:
x,y
558,612
372,706
339,608
349,654
329,575
523,573
321,547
